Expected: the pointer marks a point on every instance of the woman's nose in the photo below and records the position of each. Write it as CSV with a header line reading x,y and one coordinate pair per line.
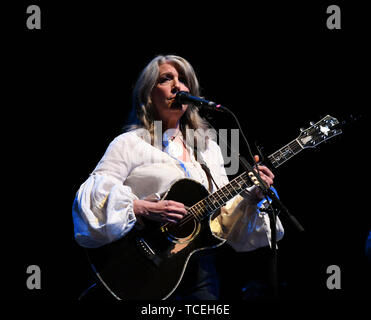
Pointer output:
x,y
176,86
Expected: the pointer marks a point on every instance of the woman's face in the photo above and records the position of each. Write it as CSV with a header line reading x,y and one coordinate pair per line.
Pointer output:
x,y
168,84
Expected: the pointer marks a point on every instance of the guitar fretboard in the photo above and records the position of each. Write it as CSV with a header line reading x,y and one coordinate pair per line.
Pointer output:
x,y
309,138
285,153
219,198
216,200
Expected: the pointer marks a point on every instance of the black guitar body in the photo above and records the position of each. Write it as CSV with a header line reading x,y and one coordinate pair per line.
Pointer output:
x,y
149,262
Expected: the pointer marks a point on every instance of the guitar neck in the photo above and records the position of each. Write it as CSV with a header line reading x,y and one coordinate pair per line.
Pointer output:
x,y
285,153
216,200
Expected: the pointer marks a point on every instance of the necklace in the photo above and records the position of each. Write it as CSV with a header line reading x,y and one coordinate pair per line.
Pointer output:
x,y
172,138
171,146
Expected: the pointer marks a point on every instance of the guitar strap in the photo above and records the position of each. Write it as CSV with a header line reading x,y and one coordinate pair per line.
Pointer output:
x,y
209,177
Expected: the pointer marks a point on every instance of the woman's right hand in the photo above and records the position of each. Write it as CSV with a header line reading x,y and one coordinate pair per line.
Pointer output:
x,y
162,211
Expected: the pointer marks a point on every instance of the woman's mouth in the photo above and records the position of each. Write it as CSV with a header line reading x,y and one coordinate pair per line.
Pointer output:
x,y
174,104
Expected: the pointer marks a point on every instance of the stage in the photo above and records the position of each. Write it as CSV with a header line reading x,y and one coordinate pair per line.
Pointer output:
x,y
277,67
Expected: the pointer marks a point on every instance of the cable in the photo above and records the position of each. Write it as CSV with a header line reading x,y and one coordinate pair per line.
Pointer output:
x,y
243,136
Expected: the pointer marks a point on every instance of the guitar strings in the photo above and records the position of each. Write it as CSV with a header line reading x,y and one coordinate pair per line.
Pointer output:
x,y
202,210
194,215
293,146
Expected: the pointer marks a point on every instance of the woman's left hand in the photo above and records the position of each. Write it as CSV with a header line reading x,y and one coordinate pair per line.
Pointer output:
x,y
267,176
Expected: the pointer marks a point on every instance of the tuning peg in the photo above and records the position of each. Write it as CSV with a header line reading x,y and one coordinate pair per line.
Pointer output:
x,y
302,129
312,123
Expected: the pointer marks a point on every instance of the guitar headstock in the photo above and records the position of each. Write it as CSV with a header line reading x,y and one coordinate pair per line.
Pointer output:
x,y
319,132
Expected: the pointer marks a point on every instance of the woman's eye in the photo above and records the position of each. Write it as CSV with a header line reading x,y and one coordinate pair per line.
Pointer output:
x,y
164,79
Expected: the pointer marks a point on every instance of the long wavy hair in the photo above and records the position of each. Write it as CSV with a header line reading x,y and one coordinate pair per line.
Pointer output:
x,y
142,113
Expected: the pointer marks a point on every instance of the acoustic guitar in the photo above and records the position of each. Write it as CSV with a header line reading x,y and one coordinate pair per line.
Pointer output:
x,y
149,262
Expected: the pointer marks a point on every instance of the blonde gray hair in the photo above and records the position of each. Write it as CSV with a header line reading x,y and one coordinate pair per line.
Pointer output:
x,y
142,114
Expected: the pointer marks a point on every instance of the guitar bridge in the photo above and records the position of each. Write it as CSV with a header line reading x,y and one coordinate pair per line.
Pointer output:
x,y
147,250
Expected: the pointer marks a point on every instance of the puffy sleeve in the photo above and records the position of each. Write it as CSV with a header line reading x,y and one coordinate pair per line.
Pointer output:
x,y
103,207
240,221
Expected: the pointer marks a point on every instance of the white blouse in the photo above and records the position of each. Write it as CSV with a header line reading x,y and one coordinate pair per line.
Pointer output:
x,y
132,168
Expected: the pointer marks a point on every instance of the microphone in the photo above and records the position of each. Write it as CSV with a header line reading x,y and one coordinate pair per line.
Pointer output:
x,y
184,97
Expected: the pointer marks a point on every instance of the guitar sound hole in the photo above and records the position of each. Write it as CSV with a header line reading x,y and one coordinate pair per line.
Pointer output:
x,y
183,231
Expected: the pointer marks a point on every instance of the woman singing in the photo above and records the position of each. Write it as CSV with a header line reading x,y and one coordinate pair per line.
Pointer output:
x,y
138,167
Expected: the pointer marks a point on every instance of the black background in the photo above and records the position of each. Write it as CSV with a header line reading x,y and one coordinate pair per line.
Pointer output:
x,y
277,66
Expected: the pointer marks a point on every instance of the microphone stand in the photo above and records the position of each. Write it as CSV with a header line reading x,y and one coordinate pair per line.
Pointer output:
x,y
273,208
